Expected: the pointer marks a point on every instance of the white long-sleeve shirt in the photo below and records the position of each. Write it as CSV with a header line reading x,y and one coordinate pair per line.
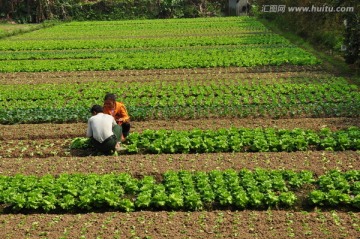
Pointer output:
x,y
100,127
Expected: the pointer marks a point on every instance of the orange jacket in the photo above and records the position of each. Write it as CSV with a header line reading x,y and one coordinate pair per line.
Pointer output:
x,y
119,112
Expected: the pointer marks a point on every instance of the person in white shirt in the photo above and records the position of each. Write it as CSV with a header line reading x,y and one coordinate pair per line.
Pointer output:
x,y
103,130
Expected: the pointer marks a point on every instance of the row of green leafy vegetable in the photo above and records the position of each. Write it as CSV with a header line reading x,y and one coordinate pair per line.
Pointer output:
x,y
183,190
169,58
43,114
329,97
145,28
301,97
237,140
72,48
211,93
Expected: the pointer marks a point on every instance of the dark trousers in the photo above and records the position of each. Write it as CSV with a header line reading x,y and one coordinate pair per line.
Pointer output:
x,y
108,146
125,129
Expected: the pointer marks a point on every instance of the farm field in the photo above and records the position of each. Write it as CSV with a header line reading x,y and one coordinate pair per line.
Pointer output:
x,y
273,149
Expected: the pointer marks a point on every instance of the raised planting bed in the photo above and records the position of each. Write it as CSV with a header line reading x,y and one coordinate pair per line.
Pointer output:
x,y
236,140
183,190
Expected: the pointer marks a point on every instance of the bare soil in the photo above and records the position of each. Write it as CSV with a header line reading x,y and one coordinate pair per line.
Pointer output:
x,y
261,72
156,164
215,224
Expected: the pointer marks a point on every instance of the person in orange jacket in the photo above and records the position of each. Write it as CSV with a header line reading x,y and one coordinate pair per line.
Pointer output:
x,y
119,112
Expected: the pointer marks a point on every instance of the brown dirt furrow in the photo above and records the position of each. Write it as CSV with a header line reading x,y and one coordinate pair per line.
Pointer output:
x,y
214,224
162,74
42,131
156,164
62,131
266,77
305,123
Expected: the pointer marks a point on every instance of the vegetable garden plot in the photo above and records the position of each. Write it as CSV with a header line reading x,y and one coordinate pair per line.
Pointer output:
x,y
54,49
208,47
247,91
66,115
181,190
148,29
191,92
197,141
167,59
286,97
236,140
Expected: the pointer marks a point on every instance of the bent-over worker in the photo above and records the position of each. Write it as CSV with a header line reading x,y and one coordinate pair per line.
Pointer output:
x,y
105,133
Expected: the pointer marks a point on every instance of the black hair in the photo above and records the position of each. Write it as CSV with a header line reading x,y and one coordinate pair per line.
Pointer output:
x,y
110,96
96,109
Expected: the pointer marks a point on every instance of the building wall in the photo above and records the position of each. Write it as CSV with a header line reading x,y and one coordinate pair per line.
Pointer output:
x,y
236,7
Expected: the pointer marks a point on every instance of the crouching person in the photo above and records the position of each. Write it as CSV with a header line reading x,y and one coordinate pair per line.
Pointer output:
x,y
104,132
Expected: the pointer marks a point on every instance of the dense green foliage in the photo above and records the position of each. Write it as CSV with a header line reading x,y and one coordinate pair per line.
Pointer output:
x,y
181,190
204,42
80,143
237,140
322,28
352,38
190,93
43,114
159,59
40,10
175,43
328,96
336,188
329,31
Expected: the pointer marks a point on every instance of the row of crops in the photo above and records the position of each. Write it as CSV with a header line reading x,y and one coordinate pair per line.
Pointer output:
x,y
47,48
296,97
152,28
164,44
190,93
161,59
181,190
237,140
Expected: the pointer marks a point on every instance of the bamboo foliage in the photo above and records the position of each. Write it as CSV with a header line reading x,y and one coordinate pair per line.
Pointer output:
x,y
34,10
326,28
43,10
40,10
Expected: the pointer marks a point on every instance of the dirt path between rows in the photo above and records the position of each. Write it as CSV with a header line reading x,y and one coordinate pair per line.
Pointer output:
x,y
216,224
162,74
156,164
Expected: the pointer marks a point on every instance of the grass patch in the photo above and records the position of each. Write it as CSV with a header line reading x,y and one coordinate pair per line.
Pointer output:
x,y
8,29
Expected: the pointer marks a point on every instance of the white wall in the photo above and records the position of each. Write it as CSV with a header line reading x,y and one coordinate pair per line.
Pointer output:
x,y
239,7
